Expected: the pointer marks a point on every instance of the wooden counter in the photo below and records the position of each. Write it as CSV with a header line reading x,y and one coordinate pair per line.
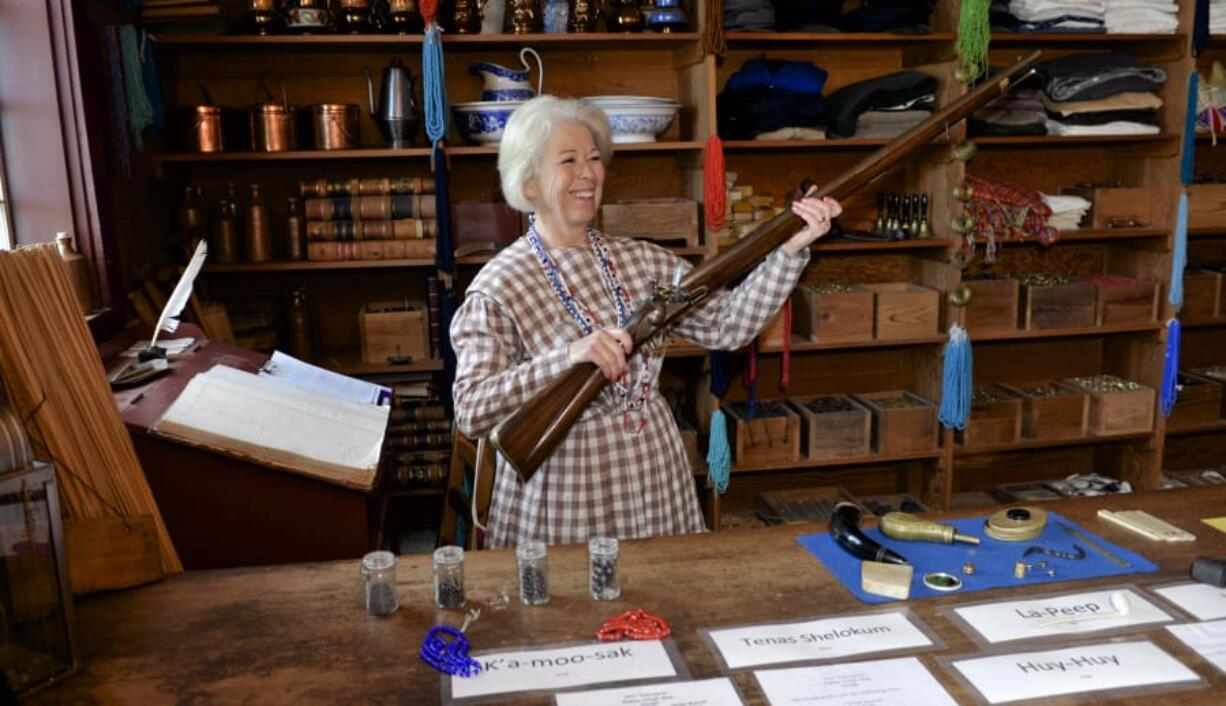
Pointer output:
x,y
298,634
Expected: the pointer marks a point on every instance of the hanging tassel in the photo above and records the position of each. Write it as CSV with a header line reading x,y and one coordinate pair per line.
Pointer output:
x,y
713,29
956,380
434,88
719,455
785,369
1188,164
444,262
974,35
750,380
1200,27
1179,256
1170,368
715,190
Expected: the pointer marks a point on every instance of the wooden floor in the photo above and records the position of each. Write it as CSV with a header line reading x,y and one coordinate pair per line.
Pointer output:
x,y
299,635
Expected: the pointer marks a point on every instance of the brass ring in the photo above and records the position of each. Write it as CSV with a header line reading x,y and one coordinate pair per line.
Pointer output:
x,y
960,296
960,259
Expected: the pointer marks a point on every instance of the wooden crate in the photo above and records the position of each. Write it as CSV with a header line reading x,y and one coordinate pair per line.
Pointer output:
x,y
833,316
393,330
1207,206
1202,295
995,418
905,310
1025,493
879,505
993,305
663,219
815,504
1113,207
1125,301
772,436
775,331
1051,306
1118,411
1216,373
901,430
1199,402
843,433
1052,411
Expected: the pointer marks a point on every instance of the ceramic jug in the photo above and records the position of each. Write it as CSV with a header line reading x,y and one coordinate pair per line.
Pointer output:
x,y
503,84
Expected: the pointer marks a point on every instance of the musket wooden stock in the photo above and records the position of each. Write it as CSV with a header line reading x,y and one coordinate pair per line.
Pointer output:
x,y
529,436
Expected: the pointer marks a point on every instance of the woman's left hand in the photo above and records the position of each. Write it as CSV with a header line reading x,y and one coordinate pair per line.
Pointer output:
x,y
817,214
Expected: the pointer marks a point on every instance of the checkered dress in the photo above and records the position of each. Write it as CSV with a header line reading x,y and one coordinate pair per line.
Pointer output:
x,y
510,337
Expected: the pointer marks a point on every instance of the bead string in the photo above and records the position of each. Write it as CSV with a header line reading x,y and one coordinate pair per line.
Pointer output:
x,y
633,624
450,657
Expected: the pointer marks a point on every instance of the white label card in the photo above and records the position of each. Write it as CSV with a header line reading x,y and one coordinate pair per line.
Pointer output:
x,y
1073,670
1203,601
1207,639
828,638
564,667
877,683
1057,615
709,692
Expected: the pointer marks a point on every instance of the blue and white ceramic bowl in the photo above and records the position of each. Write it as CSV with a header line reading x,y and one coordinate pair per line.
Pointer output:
x,y
636,118
483,121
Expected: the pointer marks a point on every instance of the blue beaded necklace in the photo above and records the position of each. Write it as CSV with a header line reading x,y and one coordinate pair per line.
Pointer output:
x,y
587,319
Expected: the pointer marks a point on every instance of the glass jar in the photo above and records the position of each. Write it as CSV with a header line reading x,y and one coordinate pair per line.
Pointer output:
x,y
379,572
449,577
602,564
533,562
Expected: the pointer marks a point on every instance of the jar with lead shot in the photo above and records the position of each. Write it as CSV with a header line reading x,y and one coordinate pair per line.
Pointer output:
x,y
533,562
602,565
379,573
449,577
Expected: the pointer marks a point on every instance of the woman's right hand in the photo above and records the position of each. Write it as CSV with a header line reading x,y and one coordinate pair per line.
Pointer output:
x,y
606,348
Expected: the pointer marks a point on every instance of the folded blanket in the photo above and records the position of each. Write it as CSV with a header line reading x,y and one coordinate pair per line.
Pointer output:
x,y
1033,10
1140,21
878,124
1143,117
1091,75
845,105
1116,128
792,133
988,121
1132,100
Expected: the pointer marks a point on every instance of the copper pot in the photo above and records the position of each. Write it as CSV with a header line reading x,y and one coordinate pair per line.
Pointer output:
x,y
205,132
335,126
274,127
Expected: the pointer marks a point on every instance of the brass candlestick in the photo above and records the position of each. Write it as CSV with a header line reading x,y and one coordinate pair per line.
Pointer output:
x,y
582,16
466,19
525,16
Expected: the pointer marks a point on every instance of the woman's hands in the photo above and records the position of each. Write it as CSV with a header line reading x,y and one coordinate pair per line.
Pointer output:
x,y
606,348
817,214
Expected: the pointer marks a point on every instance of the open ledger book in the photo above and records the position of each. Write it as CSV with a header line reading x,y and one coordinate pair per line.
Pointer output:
x,y
275,423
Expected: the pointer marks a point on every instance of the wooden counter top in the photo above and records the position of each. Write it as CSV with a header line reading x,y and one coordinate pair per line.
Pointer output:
x,y
299,634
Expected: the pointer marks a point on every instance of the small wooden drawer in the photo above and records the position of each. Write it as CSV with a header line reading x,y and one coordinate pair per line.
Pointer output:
x,y
1117,406
832,313
772,436
995,418
663,219
1202,295
392,331
1199,402
905,310
1052,410
1111,207
1048,306
1216,373
833,426
903,422
1207,205
993,305
1123,300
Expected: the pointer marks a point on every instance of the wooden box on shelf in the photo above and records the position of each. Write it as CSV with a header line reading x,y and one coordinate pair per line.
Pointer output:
x,y
1216,373
1207,206
833,426
664,219
394,330
476,222
1112,205
775,331
1199,402
829,313
905,310
1202,294
772,436
813,504
1052,411
1058,305
993,305
689,440
1125,300
879,505
995,418
903,422
1117,406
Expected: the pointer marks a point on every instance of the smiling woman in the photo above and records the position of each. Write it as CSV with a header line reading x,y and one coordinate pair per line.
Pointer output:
x,y
560,296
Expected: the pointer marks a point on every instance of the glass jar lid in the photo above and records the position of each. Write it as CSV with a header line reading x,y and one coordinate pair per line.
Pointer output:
x,y
378,561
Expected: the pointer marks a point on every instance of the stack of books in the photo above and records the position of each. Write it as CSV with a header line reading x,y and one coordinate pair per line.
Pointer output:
x,y
418,438
369,219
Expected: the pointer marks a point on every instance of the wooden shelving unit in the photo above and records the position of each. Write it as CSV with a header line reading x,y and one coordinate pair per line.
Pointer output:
x,y
349,362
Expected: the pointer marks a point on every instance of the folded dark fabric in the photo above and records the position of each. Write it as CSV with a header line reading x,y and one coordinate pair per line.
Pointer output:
x,y
796,76
748,112
749,15
903,16
801,15
844,106
1102,117
983,128
1093,75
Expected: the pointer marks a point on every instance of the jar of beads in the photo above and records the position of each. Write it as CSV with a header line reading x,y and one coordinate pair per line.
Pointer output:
x,y
449,577
602,564
379,573
533,563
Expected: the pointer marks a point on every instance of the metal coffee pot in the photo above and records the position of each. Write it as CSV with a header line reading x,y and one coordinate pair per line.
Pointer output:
x,y
397,115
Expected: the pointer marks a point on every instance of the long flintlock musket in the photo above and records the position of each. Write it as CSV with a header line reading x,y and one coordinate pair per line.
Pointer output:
x,y
529,435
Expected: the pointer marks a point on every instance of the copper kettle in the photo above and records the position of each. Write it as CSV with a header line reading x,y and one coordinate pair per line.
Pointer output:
x,y
397,115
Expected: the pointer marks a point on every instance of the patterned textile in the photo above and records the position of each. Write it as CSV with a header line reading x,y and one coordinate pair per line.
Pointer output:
x,y
511,336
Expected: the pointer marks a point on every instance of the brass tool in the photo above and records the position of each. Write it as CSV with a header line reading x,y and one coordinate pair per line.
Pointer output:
x,y
1115,559
908,527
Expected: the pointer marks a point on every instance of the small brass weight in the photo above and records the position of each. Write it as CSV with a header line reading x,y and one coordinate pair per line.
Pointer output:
x,y
582,16
526,16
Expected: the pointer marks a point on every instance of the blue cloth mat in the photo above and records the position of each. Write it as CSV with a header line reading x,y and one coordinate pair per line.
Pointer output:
x,y
993,560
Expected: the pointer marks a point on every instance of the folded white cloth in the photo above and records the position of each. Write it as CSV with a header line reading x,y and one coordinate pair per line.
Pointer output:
x,y
877,124
1038,10
1139,21
1168,6
1118,127
1065,203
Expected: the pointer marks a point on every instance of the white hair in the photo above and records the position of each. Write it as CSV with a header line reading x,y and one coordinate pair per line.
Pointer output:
x,y
527,131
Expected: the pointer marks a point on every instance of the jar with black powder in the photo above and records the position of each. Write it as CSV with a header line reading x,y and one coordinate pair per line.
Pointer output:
x,y
379,573
533,563
449,577
602,565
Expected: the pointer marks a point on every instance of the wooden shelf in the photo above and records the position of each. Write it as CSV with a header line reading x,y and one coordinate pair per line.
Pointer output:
x,y
242,42
1030,445
845,38
800,345
805,463
1023,335
1061,140
1207,232
676,146
418,492
1215,322
1214,427
1088,235
307,266
384,153
1003,38
851,143
350,362
911,244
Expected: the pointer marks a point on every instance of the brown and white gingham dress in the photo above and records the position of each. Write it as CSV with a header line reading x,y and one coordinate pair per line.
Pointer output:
x,y
510,337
